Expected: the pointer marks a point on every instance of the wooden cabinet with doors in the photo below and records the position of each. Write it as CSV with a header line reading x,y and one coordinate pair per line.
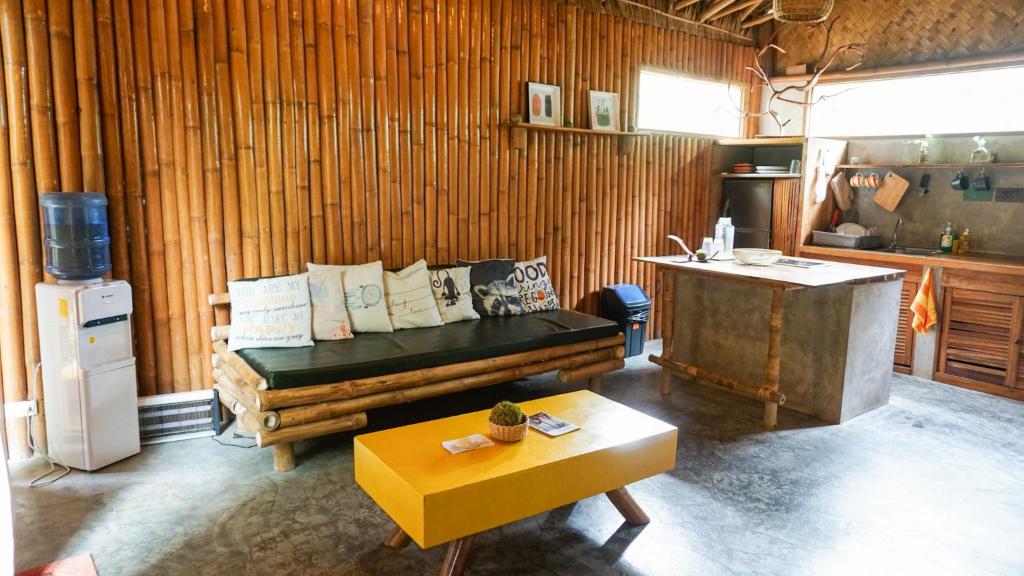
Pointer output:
x,y
903,356
982,329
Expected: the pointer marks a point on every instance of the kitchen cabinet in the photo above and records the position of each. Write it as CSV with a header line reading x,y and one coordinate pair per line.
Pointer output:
x,y
982,329
903,356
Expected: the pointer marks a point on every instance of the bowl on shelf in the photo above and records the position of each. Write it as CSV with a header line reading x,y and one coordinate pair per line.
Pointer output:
x,y
757,256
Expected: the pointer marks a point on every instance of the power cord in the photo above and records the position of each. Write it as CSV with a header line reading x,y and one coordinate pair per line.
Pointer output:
x,y
44,479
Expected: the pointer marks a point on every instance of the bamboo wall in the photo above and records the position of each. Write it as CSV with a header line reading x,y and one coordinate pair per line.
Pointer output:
x,y
237,139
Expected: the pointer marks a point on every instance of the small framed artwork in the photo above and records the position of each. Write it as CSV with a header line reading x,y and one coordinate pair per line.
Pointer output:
x,y
545,103
604,111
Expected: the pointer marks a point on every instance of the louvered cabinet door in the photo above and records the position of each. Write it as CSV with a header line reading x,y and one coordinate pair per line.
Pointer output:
x,y
903,356
978,335
1018,382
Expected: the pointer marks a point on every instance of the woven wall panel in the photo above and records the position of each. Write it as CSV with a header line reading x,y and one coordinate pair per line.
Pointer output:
x,y
912,31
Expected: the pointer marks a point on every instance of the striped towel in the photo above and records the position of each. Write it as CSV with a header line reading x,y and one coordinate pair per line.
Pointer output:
x,y
923,306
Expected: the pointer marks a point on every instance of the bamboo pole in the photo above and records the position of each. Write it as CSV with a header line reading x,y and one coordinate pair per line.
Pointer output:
x,y
329,159
135,205
302,127
26,213
348,167
360,156
12,348
367,246
211,198
430,158
87,88
184,128
318,249
195,240
151,198
254,43
269,47
65,99
106,69
590,370
44,131
224,134
312,430
289,137
250,376
404,395
582,353
170,198
241,97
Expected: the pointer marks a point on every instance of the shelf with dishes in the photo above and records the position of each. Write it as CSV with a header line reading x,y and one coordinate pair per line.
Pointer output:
x,y
990,165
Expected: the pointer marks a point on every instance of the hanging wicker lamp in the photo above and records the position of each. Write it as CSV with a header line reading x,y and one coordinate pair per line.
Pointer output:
x,y
806,11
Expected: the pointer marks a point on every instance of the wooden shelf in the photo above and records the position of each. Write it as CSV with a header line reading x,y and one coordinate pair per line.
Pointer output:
x,y
781,141
756,176
926,166
574,130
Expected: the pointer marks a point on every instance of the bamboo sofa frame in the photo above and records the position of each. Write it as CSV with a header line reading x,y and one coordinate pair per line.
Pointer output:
x,y
278,418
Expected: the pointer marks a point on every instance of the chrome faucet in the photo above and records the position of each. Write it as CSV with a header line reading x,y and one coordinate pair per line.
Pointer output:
x,y
895,231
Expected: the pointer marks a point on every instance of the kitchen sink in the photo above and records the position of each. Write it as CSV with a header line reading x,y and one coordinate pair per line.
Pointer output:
x,y
910,251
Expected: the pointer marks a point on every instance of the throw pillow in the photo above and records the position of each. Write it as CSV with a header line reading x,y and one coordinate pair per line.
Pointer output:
x,y
364,295
494,290
330,317
410,301
534,285
270,313
453,294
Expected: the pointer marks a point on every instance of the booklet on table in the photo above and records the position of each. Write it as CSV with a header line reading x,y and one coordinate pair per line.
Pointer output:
x,y
551,425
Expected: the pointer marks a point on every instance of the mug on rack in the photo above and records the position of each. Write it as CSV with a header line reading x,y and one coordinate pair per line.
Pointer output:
x,y
857,180
872,180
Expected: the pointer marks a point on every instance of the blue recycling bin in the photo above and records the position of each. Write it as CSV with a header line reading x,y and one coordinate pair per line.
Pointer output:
x,y
628,306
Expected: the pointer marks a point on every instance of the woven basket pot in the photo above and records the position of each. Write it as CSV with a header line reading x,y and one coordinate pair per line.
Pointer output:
x,y
509,433
806,11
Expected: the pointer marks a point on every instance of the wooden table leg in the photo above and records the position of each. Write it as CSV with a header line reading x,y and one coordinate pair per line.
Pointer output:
x,y
398,539
668,311
771,409
627,506
457,557
594,384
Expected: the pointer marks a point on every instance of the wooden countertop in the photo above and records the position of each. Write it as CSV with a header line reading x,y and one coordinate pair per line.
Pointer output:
x,y
777,275
1013,266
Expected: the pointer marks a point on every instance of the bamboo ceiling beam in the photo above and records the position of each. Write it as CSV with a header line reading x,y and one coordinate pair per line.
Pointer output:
x,y
714,8
677,18
757,21
751,9
745,4
682,4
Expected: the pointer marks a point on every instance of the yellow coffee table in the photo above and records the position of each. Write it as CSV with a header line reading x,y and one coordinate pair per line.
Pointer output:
x,y
436,497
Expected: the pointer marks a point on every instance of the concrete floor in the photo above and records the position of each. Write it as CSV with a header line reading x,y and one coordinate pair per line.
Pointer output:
x,y
931,484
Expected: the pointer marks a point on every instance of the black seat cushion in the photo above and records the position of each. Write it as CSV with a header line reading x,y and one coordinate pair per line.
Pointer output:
x,y
377,354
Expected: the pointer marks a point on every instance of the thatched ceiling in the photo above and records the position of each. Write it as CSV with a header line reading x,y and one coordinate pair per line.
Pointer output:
x,y
735,20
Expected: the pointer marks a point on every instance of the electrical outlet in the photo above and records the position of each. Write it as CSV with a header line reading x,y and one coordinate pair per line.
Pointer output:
x,y
22,409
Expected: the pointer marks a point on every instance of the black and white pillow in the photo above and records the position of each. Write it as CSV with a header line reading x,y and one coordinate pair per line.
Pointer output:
x,y
493,287
534,285
453,294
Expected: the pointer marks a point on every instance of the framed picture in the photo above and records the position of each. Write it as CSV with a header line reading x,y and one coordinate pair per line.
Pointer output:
x,y
604,111
545,104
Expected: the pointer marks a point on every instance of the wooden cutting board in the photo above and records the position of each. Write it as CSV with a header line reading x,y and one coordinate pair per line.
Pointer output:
x,y
891,191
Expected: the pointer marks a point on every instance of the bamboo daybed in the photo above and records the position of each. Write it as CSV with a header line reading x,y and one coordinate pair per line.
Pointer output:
x,y
279,416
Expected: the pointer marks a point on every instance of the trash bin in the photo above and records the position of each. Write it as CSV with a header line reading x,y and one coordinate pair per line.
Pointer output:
x,y
629,306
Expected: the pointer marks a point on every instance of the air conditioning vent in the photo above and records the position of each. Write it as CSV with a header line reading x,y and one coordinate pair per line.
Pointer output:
x,y
180,416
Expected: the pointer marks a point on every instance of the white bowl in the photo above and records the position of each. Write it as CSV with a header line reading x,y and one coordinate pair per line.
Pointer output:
x,y
757,256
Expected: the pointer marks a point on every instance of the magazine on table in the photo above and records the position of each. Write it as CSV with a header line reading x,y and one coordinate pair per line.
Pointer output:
x,y
550,425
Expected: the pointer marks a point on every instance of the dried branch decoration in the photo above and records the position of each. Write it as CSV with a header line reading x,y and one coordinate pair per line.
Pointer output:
x,y
825,62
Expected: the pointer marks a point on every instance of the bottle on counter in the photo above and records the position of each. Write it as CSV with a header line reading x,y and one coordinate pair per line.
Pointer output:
x,y
946,238
726,232
965,242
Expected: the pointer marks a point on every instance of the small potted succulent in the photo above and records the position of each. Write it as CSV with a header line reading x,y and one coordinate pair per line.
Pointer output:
x,y
507,422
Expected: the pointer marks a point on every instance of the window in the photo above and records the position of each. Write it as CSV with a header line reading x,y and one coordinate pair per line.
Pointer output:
x,y
957,103
676,103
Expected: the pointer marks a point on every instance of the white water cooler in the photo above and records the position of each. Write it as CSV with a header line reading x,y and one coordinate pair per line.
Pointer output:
x,y
89,386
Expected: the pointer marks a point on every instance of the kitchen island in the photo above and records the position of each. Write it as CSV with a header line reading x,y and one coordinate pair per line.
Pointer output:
x,y
817,339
